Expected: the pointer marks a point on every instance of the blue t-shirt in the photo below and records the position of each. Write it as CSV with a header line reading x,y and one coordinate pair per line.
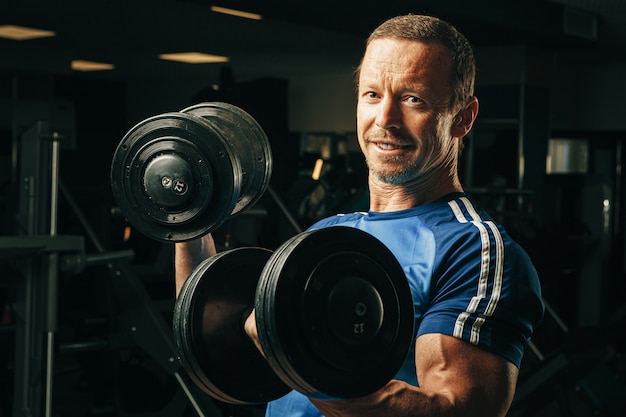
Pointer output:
x,y
468,279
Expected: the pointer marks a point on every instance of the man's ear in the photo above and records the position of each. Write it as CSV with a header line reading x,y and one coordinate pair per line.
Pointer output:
x,y
464,120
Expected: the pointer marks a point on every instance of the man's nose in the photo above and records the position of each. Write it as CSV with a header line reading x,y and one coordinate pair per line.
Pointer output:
x,y
388,114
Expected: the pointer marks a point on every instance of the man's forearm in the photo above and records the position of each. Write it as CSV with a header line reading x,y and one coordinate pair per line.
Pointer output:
x,y
188,255
397,398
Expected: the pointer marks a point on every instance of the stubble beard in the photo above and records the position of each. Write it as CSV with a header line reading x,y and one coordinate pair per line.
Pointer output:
x,y
394,170
427,159
407,171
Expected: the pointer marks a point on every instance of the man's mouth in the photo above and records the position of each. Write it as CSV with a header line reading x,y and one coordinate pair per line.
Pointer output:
x,y
389,146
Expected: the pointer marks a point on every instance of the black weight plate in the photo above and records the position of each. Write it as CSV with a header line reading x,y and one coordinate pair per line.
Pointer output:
x,y
249,144
284,349
210,171
334,313
214,349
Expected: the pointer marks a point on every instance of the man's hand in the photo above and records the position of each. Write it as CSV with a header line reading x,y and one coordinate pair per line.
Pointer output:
x,y
251,330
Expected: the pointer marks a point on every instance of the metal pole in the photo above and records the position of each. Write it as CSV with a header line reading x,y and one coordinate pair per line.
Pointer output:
x,y
189,395
284,209
53,260
521,167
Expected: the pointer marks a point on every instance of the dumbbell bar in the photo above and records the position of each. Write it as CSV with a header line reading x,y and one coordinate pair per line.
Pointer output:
x,y
334,315
178,176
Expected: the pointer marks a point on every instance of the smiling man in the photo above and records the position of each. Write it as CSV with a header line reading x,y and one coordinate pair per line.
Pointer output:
x,y
475,291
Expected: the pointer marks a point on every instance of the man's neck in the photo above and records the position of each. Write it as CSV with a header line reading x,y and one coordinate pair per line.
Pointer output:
x,y
385,197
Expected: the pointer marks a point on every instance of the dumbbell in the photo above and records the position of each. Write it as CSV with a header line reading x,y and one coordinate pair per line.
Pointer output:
x,y
334,316
180,175
333,308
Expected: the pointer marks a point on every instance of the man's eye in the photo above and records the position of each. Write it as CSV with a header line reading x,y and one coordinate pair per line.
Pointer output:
x,y
371,94
413,99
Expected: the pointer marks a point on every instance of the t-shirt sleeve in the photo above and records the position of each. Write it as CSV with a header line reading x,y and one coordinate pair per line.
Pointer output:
x,y
486,292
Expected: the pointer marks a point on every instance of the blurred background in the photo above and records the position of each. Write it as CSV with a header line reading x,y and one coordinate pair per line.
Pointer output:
x,y
544,158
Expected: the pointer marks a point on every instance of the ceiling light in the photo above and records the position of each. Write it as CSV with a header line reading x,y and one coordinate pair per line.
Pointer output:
x,y
238,13
194,58
80,65
21,33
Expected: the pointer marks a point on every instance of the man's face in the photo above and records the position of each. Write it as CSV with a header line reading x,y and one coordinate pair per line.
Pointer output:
x,y
403,112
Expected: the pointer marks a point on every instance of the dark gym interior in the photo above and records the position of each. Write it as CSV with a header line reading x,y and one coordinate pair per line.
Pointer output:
x,y
86,301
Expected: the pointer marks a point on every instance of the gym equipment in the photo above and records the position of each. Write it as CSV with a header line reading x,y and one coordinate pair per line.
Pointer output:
x,y
334,315
39,253
213,347
333,308
178,176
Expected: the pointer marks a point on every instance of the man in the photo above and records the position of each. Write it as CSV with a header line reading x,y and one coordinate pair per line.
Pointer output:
x,y
476,294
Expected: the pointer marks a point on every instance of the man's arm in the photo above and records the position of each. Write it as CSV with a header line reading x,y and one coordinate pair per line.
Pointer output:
x,y
188,255
455,377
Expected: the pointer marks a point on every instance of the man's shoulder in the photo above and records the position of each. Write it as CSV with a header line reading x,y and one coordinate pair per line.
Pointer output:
x,y
338,220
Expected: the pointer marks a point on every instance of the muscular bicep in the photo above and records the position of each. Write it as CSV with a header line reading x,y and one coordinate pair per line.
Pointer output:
x,y
469,377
